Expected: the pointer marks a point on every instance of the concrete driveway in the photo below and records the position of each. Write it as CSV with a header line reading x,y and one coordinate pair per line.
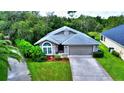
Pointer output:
x,y
86,68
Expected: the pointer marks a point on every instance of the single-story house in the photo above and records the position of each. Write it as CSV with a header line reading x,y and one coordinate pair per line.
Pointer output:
x,y
67,41
114,39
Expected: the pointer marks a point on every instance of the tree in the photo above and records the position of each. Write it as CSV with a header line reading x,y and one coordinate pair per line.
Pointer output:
x,y
115,21
21,30
7,50
39,30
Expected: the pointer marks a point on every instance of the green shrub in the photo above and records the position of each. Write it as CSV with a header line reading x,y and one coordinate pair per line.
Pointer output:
x,y
115,53
30,51
98,54
94,35
57,57
24,47
37,54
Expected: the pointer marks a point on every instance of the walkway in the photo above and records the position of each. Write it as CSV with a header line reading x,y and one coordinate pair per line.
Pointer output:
x,y
19,71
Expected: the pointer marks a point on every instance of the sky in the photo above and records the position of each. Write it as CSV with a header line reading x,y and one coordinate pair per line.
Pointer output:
x,y
102,8
103,14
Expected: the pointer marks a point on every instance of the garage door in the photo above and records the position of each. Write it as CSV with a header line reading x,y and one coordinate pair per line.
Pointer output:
x,y
80,50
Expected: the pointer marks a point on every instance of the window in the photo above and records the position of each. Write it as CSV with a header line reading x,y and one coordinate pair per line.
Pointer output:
x,y
47,47
102,38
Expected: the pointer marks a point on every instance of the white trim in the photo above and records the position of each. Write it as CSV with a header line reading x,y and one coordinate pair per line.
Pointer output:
x,y
95,48
47,47
68,50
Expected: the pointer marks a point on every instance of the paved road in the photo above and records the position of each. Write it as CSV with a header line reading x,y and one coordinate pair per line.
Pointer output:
x,y
19,71
85,68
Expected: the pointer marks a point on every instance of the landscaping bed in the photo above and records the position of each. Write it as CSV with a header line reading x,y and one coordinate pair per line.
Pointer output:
x,y
112,64
50,71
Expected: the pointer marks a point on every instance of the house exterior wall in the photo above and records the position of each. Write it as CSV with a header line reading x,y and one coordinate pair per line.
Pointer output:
x,y
66,50
117,47
84,48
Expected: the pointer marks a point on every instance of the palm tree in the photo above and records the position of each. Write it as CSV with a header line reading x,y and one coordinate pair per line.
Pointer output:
x,y
7,50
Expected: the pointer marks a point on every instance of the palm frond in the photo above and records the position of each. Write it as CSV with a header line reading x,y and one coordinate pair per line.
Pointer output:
x,y
7,50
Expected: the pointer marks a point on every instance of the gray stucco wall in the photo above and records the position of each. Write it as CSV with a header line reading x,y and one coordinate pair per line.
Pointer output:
x,y
74,50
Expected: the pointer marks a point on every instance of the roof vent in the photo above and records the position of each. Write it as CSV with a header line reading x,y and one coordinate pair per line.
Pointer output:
x,y
66,33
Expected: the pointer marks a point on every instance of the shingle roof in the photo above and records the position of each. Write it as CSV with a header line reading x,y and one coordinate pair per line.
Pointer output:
x,y
116,34
77,38
80,39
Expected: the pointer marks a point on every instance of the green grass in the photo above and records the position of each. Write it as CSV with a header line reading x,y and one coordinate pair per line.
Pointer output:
x,y
96,34
50,71
3,71
113,65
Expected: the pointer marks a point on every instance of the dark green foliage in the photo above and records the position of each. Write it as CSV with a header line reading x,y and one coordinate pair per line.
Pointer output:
x,y
3,71
31,26
98,54
115,53
30,51
1,36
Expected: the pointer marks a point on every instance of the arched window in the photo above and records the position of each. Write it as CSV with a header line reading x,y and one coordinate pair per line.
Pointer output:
x,y
47,47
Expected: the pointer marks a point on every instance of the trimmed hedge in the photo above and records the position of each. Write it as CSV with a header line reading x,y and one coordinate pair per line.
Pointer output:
x,y
115,53
98,54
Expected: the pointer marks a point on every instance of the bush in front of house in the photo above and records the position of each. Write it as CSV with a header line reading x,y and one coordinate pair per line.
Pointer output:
x,y
57,57
98,54
37,54
115,53
30,51
24,47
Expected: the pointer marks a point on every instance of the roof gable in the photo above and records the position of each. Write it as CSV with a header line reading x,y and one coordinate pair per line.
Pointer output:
x,y
64,28
75,37
116,34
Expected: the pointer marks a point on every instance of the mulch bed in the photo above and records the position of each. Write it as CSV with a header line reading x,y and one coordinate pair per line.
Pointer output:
x,y
52,58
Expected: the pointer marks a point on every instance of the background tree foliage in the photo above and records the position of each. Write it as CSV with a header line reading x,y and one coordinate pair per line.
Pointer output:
x,y
31,26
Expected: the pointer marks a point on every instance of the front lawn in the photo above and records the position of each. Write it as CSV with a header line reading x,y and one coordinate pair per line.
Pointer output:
x,y
50,71
3,71
113,65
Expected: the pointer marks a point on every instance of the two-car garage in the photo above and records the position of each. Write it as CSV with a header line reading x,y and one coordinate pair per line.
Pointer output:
x,y
81,50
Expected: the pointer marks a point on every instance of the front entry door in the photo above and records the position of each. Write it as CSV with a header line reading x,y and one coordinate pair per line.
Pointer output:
x,y
60,48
